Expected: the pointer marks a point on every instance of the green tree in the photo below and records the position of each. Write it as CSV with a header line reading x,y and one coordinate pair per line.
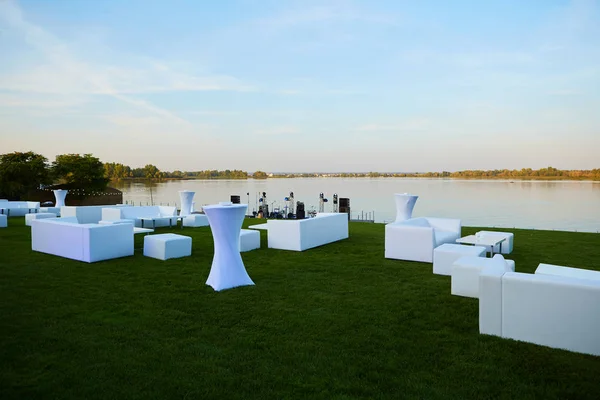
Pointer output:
x,y
259,175
152,172
80,171
21,173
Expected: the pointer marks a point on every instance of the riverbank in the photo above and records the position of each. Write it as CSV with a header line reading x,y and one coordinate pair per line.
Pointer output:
x,y
338,321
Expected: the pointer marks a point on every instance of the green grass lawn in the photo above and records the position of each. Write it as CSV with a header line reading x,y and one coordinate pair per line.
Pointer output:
x,y
335,322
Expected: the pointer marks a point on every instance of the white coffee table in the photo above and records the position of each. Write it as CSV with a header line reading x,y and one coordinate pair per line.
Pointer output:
x,y
490,241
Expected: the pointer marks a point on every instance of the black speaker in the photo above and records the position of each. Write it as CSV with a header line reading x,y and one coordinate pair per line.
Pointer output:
x,y
235,199
344,202
300,210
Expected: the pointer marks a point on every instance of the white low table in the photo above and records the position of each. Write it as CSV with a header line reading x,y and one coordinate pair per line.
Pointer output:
x,y
488,241
170,219
262,227
445,255
227,270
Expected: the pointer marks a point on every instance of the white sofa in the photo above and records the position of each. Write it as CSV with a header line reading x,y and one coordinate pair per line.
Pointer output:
x,y
556,307
303,234
19,208
65,237
86,214
414,239
134,213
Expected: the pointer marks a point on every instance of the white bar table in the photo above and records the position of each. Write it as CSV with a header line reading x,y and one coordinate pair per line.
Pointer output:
x,y
227,270
187,206
59,195
405,203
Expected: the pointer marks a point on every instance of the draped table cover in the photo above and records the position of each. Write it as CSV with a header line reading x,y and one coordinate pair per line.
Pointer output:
x,y
227,270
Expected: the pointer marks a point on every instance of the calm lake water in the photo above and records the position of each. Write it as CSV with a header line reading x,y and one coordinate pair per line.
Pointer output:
x,y
555,205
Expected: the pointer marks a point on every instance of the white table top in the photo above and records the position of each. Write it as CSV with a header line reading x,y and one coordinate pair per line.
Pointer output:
x,y
142,230
485,240
259,226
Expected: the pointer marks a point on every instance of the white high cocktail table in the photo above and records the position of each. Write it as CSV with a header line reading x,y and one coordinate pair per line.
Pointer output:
x,y
227,270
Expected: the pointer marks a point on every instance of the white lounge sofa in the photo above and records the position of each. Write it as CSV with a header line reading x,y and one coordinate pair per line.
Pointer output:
x,y
19,208
65,237
134,213
303,234
86,214
414,239
555,307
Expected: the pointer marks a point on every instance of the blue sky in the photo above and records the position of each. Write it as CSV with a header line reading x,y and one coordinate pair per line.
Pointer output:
x,y
304,85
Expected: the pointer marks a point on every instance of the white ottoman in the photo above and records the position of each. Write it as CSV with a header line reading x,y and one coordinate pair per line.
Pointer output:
x,y
3,221
466,271
167,245
445,255
53,210
249,240
195,220
31,217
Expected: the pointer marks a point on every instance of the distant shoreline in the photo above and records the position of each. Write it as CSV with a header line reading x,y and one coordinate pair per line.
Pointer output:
x,y
330,176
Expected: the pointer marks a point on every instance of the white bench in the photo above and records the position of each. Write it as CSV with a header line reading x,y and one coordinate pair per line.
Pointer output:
x,y
167,245
303,234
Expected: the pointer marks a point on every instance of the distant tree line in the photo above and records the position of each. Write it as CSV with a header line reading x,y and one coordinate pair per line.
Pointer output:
x,y
525,173
117,171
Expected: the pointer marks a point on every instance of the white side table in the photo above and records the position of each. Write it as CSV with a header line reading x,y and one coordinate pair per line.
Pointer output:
x,y
227,270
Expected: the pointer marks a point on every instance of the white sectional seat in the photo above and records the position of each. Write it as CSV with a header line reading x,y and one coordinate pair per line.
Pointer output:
x,y
41,215
249,240
445,255
466,270
65,237
86,214
303,234
555,308
19,208
167,245
3,221
195,220
414,239
135,213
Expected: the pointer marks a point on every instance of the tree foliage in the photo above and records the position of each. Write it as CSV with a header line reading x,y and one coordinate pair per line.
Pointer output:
x,y
152,172
259,175
116,171
21,173
83,171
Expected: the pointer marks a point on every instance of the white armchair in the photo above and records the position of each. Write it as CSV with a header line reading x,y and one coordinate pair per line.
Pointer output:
x,y
414,239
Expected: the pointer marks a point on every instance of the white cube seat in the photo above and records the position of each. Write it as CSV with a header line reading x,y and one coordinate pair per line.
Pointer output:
x,y
3,221
30,217
195,220
466,271
167,245
445,255
249,240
